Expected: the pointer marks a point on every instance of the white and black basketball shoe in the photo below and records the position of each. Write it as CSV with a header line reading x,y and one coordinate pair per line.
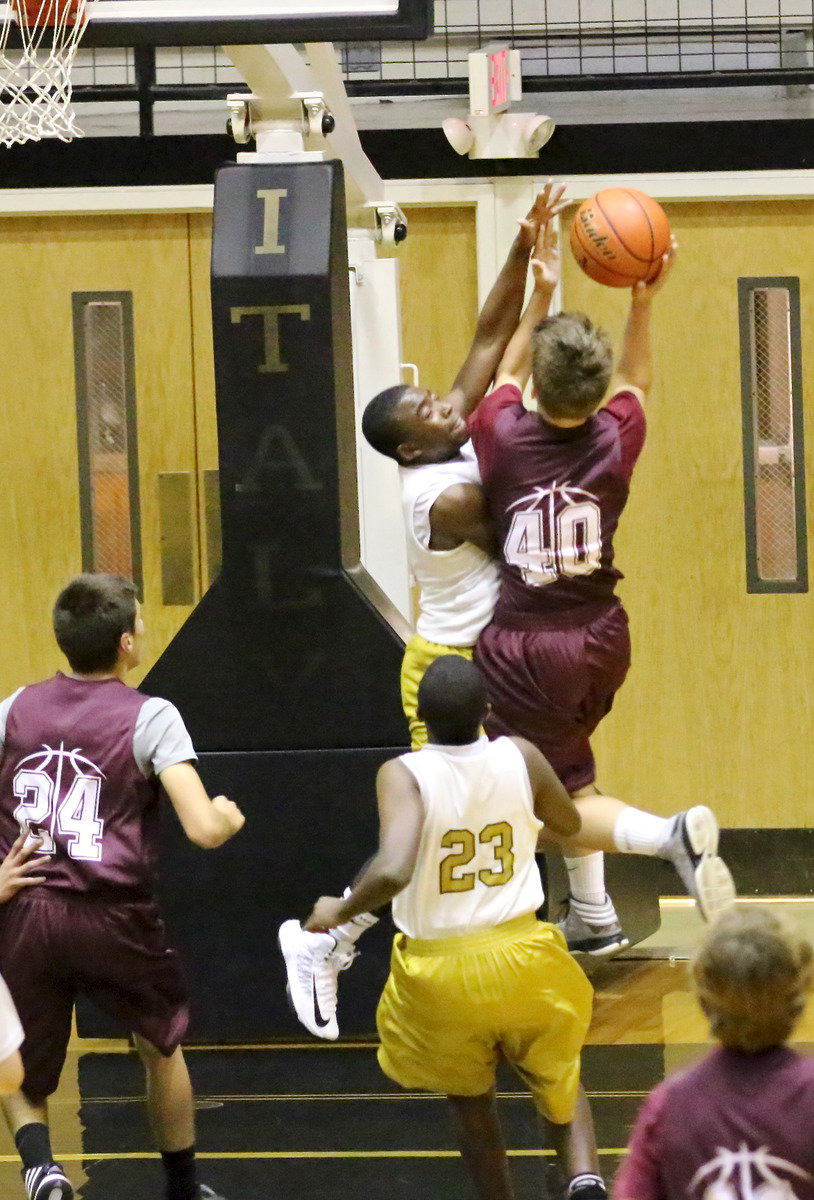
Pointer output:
x,y
313,962
691,846
48,1182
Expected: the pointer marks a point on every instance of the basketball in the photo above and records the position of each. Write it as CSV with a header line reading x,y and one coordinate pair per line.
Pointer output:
x,y
38,13
618,237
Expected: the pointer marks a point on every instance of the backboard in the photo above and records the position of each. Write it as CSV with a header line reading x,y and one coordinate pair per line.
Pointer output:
x,y
253,22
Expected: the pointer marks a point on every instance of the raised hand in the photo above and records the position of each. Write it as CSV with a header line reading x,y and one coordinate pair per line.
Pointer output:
x,y
545,258
547,204
16,867
642,292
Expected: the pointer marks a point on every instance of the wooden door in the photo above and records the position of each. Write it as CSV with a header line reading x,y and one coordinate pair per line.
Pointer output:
x,y
45,262
716,708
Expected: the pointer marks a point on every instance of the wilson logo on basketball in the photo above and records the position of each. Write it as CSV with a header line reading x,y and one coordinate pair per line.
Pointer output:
x,y
600,240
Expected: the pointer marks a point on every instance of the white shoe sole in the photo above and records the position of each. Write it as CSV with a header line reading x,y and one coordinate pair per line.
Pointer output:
x,y
607,951
715,886
288,939
701,827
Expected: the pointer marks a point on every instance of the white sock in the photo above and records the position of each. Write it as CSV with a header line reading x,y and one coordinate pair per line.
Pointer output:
x,y
637,832
353,929
586,877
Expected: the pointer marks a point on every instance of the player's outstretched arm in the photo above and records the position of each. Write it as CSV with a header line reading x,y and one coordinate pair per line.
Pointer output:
x,y
18,869
634,370
207,823
552,804
501,312
401,819
515,366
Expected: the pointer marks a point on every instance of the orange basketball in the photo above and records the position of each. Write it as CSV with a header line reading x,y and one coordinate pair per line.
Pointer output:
x,y
36,13
619,236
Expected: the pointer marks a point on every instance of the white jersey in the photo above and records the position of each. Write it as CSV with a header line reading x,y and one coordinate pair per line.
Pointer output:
x,y
458,588
475,867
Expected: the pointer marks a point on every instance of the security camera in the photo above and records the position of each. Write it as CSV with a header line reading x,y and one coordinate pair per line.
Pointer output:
x,y
537,132
319,121
459,134
391,224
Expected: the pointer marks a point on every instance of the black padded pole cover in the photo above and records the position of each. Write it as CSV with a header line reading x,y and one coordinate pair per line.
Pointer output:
x,y
284,652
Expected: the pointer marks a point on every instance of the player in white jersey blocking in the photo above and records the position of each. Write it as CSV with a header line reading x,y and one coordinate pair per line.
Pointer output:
x,y
474,975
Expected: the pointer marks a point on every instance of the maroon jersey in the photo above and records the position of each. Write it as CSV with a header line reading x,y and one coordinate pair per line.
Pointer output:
x,y
69,774
555,496
735,1127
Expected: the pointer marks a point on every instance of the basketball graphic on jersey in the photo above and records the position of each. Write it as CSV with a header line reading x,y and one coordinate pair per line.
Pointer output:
x,y
58,794
745,1174
556,532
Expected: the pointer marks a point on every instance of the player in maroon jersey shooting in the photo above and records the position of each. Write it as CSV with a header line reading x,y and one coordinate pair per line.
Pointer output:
x,y
81,759
557,649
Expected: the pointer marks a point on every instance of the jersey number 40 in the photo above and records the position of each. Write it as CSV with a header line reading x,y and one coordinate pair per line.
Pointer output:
x,y
546,547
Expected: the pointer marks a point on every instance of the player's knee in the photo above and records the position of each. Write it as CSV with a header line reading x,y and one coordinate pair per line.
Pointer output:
x,y
148,1053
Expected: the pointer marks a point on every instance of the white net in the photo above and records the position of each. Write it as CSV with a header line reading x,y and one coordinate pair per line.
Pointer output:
x,y
38,43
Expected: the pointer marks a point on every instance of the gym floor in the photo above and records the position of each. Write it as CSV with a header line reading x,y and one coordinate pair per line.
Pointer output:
x,y
320,1120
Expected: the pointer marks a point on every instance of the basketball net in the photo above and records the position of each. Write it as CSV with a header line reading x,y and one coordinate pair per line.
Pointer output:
x,y
35,77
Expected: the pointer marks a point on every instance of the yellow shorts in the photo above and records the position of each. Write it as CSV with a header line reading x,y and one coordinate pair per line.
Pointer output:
x,y
451,1008
418,654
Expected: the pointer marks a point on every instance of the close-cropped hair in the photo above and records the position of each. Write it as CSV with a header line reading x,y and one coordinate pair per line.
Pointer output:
x,y
379,423
90,616
452,700
752,975
572,362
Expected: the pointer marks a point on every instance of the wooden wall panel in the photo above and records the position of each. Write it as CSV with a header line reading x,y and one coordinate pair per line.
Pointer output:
x,y
439,291
44,260
717,706
203,357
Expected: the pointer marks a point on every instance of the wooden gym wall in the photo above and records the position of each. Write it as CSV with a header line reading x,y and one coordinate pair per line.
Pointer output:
x,y
715,707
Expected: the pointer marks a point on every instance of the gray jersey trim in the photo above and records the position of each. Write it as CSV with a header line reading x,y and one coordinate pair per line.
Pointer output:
x,y
161,738
5,705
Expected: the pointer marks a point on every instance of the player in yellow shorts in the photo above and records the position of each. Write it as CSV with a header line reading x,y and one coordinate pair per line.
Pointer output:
x,y
450,541
418,655
474,976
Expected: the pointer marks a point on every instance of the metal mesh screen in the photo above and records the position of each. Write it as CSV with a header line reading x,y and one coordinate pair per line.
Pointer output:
x,y
563,43
602,43
109,499
773,451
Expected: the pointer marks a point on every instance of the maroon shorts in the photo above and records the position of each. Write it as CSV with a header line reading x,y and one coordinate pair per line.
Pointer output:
x,y
553,685
55,947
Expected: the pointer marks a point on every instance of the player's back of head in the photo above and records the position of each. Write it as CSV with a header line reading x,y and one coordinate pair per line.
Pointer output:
x,y
572,362
452,700
752,975
380,424
90,616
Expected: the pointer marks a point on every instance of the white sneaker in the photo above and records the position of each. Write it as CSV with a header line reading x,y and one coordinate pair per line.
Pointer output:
x,y
692,847
313,962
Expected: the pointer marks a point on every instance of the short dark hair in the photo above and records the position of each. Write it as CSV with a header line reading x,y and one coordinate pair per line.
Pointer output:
x,y
572,362
379,425
90,616
452,700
